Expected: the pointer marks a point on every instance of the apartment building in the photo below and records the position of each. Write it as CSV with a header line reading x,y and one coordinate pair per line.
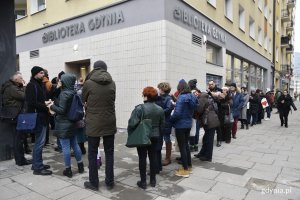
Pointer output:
x,y
285,72
145,42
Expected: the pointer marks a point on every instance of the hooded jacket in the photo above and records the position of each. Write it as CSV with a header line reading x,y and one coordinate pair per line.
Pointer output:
x,y
12,95
185,106
99,92
64,128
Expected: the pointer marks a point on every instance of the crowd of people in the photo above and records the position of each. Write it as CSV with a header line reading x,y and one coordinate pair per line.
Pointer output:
x,y
216,110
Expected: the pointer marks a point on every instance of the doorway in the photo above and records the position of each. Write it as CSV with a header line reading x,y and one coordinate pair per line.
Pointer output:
x,y
79,67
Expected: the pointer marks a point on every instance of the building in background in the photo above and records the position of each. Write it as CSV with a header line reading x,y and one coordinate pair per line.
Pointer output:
x,y
145,42
285,72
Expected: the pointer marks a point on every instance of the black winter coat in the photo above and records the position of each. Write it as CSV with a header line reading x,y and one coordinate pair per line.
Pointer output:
x,y
35,95
254,103
64,128
286,105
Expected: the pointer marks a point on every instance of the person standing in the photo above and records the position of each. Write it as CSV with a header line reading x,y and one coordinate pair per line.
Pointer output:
x,y
13,98
64,128
149,110
243,114
254,107
182,121
238,103
225,111
285,102
270,100
165,102
99,94
35,98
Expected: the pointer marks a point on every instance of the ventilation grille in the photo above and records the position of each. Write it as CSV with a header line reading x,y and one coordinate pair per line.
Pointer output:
x,y
34,54
196,40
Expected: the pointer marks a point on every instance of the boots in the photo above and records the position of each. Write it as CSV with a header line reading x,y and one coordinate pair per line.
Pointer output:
x,y
242,126
68,172
80,168
82,148
247,126
167,160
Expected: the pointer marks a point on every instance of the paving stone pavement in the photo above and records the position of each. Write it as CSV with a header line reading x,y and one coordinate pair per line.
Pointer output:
x,y
262,163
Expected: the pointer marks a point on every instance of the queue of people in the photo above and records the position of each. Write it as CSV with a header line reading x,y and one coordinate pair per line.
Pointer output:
x,y
216,110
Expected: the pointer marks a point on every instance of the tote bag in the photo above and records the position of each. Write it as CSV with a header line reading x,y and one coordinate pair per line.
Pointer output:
x,y
141,135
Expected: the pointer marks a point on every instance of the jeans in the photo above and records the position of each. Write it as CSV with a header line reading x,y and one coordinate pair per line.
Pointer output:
x,y
208,143
152,154
182,135
37,158
283,115
167,134
268,110
254,118
66,144
93,144
158,153
194,140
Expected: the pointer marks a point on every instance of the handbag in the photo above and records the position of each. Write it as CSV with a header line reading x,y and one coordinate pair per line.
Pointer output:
x,y
228,118
141,135
27,122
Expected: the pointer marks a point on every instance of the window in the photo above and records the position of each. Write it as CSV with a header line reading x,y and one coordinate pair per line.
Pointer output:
x,y
212,2
271,18
237,72
277,54
241,18
266,11
277,24
20,13
252,77
260,4
270,46
217,79
259,36
228,9
245,80
213,54
37,5
251,28
266,41
228,68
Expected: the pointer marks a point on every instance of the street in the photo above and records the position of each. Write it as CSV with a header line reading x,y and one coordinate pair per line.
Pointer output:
x,y
262,163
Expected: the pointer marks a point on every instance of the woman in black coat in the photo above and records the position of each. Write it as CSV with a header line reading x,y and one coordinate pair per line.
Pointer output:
x,y
285,102
254,106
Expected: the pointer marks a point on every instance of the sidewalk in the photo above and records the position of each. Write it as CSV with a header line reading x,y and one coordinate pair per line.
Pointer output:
x,y
262,163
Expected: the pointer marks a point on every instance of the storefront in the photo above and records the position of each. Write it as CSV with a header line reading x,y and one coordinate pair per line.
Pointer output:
x,y
143,43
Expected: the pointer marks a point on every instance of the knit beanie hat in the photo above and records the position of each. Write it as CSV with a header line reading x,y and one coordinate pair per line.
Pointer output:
x,y
100,65
35,70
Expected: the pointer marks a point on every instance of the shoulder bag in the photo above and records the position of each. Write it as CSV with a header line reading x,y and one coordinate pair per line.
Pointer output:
x,y
141,135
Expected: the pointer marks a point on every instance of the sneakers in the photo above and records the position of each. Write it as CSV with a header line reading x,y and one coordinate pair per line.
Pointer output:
x,y
190,169
267,119
182,173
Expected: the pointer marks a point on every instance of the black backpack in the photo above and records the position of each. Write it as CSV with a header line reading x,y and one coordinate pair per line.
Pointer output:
x,y
76,111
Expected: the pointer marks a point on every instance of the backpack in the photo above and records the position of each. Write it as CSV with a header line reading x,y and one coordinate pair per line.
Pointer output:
x,y
76,111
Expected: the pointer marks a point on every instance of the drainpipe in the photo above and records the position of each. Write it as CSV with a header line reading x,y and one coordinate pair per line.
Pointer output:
x,y
274,42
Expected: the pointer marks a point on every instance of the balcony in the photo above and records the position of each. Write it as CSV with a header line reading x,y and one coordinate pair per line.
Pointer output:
x,y
285,16
285,40
290,26
291,4
290,49
285,70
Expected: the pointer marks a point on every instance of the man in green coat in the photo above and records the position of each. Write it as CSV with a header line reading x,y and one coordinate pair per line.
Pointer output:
x,y
99,94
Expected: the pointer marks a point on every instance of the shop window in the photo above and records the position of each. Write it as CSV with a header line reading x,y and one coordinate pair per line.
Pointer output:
x,y
245,79
212,2
213,54
217,79
228,68
228,9
259,36
37,5
241,18
237,65
251,28
252,77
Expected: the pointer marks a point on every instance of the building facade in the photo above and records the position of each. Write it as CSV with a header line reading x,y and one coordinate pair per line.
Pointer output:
x,y
145,42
